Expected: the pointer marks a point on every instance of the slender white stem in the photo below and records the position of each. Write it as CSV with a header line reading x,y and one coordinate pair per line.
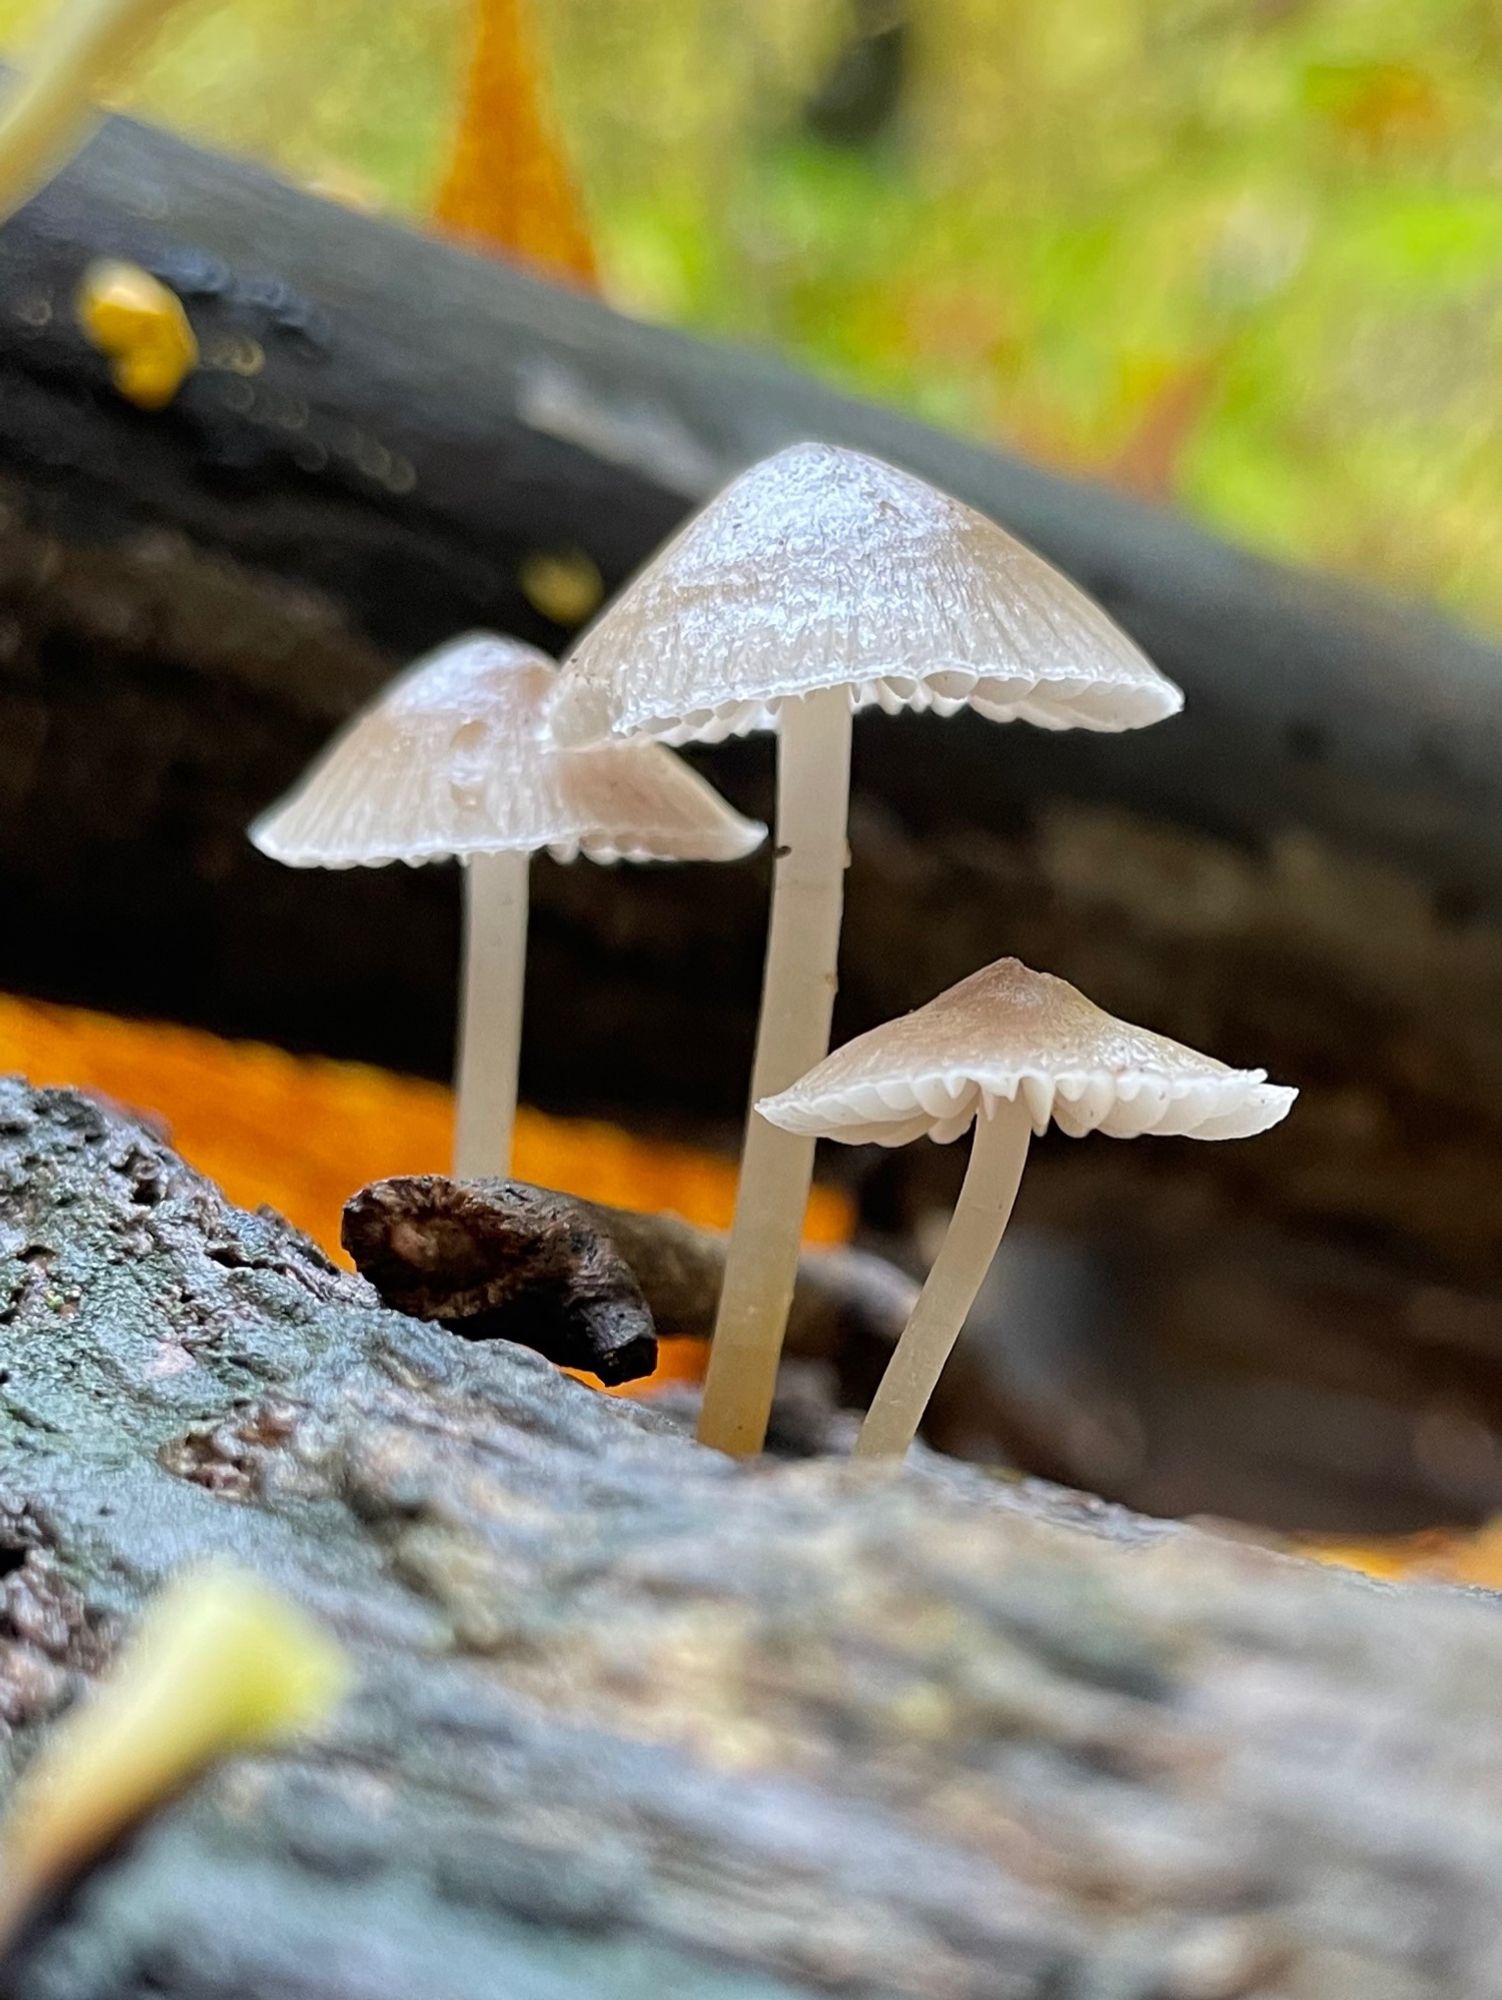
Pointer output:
x,y
490,1020
48,115
797,1000
998,1153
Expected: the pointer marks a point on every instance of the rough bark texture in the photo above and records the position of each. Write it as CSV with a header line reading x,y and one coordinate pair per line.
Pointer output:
x,y
1305,870
633,1721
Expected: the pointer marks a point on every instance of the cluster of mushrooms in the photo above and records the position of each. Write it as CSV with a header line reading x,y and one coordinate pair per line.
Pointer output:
x,y
819,582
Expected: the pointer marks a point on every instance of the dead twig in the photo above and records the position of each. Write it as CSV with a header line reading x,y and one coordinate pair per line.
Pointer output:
x,y
585,1284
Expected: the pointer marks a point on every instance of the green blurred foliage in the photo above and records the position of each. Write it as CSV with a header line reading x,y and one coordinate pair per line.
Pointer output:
x,y
1243,256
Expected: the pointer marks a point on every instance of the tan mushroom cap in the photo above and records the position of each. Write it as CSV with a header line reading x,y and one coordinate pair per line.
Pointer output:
x,y
1006,1030
822,568
457,757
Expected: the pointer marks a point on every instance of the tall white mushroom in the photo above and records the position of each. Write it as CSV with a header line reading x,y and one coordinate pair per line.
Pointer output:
x,y
456,759
820,582
1007,1050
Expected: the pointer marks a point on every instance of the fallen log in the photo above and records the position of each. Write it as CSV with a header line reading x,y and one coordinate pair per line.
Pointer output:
x,y
1304,871
631,1720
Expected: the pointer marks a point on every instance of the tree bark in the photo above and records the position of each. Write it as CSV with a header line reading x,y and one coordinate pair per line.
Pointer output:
x,y
633,1721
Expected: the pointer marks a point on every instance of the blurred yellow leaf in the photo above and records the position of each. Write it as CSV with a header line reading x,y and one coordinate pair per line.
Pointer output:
x,y
141,328
1379,104
508,183
220,1663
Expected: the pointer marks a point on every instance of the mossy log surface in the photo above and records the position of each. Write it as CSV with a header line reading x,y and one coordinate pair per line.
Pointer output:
x,y
633,1721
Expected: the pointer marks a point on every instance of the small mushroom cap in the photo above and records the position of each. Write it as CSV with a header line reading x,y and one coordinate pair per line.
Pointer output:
x,y
822,568
457,757
1006,1030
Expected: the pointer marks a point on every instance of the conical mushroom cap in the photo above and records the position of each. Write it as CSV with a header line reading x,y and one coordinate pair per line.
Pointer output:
x,y
457,757
1006,1030
821,568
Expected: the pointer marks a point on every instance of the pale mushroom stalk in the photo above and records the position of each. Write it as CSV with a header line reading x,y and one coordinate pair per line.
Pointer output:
x,y
797,1002
490,1021
47,116
998,1154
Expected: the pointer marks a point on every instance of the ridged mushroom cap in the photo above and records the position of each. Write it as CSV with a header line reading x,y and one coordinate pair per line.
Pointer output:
x,y
1006,1031
821,568
457,757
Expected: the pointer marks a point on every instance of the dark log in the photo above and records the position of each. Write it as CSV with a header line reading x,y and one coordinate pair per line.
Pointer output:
x,y
633,1721
1305,870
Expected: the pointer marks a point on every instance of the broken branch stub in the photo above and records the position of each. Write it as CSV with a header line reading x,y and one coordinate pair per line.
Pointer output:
x,y
498,1260
505,1260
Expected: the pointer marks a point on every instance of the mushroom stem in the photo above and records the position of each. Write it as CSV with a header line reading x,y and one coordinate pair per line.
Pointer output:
x,y
490,1023
48,114
797,1001
998,1154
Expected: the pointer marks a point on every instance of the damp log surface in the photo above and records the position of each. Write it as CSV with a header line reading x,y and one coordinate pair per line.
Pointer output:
x,y
631,1720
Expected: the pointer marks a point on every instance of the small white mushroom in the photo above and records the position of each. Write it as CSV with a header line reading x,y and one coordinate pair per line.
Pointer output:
x,y
456,759
820,582
1008,1050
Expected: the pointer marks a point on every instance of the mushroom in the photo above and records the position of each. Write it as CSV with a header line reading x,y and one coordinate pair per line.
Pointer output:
x,y
456,760
819,582
1007,1050
220,1663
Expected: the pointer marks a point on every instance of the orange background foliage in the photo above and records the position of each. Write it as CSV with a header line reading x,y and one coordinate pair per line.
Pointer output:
x,y
301,1133
508,183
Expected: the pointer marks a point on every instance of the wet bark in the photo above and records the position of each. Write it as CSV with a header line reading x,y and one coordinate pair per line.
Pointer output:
x,y
631,1720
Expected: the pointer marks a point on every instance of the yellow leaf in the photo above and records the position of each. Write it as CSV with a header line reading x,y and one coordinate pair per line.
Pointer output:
x,y
140,326
508,183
